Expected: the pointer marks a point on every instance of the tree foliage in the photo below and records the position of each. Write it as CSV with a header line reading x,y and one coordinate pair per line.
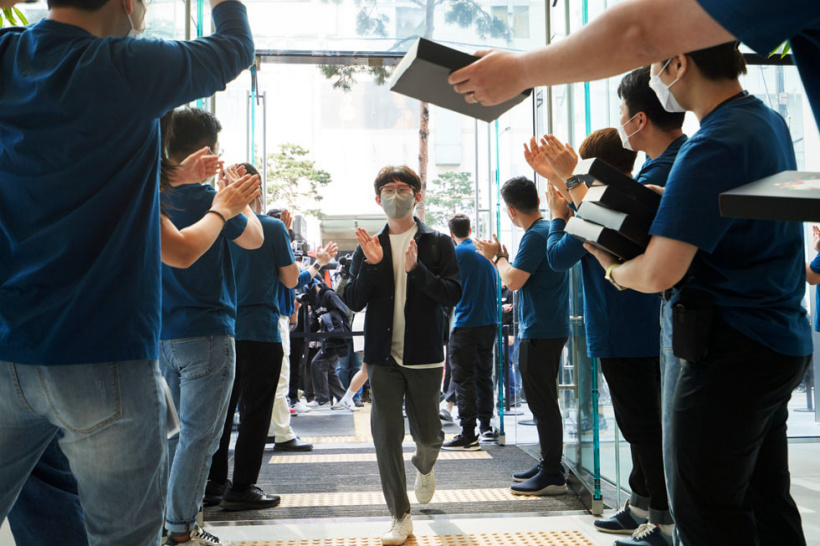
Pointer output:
x,y
294,180
449,194
13,17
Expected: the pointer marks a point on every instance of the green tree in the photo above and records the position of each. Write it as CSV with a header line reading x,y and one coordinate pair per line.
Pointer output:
x,y
370,21
451,193
294,180
12,16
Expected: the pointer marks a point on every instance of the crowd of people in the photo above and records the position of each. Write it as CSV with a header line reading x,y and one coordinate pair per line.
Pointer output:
x,y
135,297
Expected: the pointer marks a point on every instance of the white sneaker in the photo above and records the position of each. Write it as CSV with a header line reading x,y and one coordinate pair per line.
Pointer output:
x,y
344,404
313,404
399,531
199,537
300,407
425,486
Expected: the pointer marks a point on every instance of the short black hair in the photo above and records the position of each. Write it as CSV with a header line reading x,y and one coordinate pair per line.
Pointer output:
x,y
460,225
85,5
606,144
400,173
192,129
250,169
521,194
720,62
274,213
638,96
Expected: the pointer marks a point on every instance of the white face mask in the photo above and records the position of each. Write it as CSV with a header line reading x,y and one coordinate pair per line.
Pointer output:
x,y
133,33
396,206
665,96
625,137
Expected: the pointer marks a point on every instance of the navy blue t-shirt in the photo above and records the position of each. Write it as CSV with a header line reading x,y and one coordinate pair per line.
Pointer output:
x,y
543,304
815,266
656,171
79,175
479,281
754,270
200,300
763,25
257,282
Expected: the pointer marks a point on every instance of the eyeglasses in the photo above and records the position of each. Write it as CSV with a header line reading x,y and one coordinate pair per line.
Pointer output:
x,y
401,191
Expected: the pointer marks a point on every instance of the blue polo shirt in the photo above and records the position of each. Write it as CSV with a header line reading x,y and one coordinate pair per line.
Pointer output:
x,y
815,266
200,300
754,270
763,25
543,304
479,285
79,171
656,171
257,282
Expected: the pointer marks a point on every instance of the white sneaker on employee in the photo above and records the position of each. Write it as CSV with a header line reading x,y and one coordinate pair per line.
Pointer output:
x,y
399,531
425,486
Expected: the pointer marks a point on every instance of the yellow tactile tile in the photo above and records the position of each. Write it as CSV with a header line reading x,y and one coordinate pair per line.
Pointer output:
x,y
361,498
367,457
545,538
367,439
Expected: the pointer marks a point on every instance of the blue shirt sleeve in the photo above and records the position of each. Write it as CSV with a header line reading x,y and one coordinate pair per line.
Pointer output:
x,y
531,251
563,250
815,264
277,234
304,279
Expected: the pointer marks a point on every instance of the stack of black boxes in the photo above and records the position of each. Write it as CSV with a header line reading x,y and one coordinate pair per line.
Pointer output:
x,y
616,212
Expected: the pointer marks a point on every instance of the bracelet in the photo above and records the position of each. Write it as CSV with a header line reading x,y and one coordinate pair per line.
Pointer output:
x,y
212,211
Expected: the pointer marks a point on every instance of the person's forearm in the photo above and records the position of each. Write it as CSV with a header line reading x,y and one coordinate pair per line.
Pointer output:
x,y
7,3
628,35
181,248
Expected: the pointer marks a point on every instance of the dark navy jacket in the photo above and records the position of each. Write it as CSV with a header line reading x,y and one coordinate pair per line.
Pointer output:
x,y
433,285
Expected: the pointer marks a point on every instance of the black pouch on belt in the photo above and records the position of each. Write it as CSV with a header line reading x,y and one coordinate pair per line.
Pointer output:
x,y
692,319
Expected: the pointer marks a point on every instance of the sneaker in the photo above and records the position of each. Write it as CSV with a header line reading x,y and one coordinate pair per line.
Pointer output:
x,y
541,484
317,406
519,477
293,411
461,443
293,445
625,522
214,491
358,403
487,436
313,404
445,416
344,404
648,534
399,531
301,408
425,487
199,537
252,499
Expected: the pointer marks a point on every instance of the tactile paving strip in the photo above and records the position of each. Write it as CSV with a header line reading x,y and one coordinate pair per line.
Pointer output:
x,y
546,538
360,498
367,457
368,439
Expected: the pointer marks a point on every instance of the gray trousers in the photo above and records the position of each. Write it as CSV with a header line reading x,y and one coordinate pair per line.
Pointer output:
x,y
389,386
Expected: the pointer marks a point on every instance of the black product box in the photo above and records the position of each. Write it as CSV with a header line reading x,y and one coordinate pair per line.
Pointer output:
x,y
611,198
606,239
601,172
422,74
788,195
621,222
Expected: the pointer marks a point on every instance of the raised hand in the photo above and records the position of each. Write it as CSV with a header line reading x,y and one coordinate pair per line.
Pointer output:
x,y
287,218
558,206
411,256
326,254
197,167
496,77
562,158
537,160
231,200
371,247
489,249
815,238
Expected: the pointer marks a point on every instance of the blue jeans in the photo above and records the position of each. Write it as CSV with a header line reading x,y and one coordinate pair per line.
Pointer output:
x,y
670,372
112,417
48,509
200,373
347,367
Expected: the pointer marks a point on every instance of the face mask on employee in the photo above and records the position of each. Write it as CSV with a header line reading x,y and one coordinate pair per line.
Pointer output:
x,y
665,96
396,205
624,136
134,32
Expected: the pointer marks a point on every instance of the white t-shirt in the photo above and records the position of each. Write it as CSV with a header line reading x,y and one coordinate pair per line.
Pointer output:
x,y
398,246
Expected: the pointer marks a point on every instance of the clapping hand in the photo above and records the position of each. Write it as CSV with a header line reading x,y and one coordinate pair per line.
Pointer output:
x,y
197,167
371,247
411,256
326,254
537,160
231,200
815,238
562,158
557,204
287,218
489,249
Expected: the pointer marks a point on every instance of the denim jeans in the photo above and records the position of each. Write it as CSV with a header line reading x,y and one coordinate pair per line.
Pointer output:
x,y
349,366
670,371
48,510
112,417
200,373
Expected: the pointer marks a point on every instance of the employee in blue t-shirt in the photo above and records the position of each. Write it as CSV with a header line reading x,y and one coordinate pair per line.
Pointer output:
x,y
813,273
470,348
259,353
198,326
633,34
80,240
739,321
543,317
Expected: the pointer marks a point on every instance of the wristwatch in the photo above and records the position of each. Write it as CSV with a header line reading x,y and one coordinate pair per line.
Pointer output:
x,y
498,257
574,182
608,276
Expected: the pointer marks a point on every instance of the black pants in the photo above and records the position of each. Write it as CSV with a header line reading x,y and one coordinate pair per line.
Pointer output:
x,y
635,388
297,351
539,361
731,480
326,383
471,361
258,365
